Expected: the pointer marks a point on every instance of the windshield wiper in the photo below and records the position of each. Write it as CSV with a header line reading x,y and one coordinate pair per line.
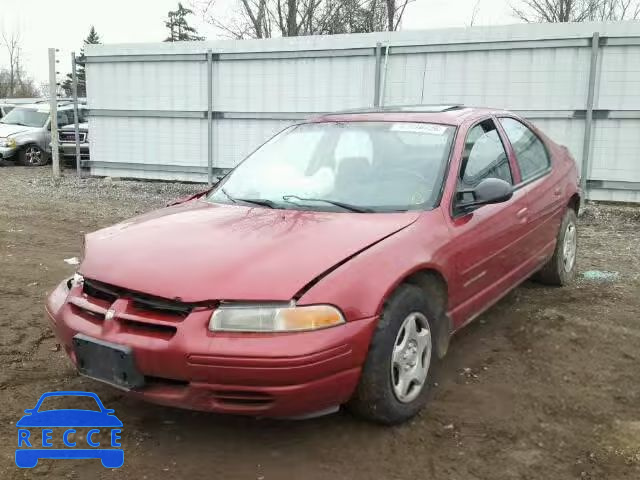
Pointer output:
x,y
227,195
256,201
346,206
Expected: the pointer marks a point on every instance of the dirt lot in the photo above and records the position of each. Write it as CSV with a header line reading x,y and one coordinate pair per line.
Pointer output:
x,y
546,385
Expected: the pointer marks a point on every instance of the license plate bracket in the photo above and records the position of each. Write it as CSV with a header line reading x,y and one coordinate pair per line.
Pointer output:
x,y
108,362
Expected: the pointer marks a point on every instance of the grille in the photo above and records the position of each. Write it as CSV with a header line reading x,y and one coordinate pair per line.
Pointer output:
x,y
156,330
70,137
141,301
242,398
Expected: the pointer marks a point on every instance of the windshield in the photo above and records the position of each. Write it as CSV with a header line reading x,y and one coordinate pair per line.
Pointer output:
x,y
358,166
28,117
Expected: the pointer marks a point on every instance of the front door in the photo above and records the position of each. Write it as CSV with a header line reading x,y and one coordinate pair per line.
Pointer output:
x,y
487,247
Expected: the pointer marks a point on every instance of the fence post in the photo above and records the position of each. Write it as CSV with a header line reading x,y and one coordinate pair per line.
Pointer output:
x,y
383,83
74,88
209,117
588,122
376,85
53,110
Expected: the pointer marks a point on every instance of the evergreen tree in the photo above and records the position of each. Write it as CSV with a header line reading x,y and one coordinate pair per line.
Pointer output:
x,y
92,38
180,30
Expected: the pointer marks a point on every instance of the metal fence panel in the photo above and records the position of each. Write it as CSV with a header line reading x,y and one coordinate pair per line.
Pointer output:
x,y
149,102
171,85
293,84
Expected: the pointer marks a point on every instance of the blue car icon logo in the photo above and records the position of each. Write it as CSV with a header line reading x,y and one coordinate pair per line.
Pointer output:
x,y
33,445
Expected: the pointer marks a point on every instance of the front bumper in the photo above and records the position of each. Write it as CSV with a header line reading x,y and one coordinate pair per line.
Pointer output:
x,y
7,152
69,150
274,375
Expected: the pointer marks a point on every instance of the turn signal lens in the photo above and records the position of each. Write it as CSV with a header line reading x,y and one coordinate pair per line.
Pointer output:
x,y
272,318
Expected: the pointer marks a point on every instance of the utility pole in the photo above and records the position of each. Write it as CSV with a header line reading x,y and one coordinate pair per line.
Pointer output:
x,y
53,102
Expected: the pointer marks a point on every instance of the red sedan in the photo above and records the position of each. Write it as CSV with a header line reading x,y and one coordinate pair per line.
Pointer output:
x,y
330,268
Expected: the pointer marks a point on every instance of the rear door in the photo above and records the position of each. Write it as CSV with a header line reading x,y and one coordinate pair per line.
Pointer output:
x,y
487,242
543,189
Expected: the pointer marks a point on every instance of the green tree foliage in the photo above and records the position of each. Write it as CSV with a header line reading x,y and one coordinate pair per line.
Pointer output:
x,y
179,28
92,38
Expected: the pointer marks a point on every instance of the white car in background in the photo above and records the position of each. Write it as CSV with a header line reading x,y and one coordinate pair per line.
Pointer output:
x,y
5,108
25,132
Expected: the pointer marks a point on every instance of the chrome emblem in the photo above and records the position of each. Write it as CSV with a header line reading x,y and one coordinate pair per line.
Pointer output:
x,y
110,314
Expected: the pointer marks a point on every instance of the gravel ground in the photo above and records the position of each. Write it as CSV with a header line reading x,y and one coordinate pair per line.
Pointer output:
x,y
545,385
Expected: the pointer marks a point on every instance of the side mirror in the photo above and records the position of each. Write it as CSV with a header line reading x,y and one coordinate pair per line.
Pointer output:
x,y
488,191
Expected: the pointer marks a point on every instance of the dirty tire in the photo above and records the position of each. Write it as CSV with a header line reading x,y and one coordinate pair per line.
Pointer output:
x,y
554,272
374,398
33,156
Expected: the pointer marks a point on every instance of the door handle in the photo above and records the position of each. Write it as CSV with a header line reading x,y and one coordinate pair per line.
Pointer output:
x,y
522,213
557,192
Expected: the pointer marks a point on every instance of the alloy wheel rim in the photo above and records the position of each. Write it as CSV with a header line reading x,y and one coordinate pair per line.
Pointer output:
x,y
569,248
33,155
411,357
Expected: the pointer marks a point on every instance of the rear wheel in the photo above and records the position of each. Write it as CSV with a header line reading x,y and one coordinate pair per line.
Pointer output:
x,y
561,268
399,372
33,156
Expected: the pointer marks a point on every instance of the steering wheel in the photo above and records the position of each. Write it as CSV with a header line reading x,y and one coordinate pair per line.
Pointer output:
x,y
419,195
410,173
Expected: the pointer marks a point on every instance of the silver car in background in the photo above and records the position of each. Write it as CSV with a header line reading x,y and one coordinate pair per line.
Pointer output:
x,y
25,132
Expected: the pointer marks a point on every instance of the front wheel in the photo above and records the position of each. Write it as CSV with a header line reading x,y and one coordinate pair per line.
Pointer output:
x,y
561,268
33,156
399,371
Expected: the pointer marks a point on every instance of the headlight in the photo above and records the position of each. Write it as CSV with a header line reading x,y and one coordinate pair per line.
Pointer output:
x,y
274,318
7,142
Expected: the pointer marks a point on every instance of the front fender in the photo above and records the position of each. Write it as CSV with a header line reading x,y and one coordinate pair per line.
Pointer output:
x,y
31,138
360,286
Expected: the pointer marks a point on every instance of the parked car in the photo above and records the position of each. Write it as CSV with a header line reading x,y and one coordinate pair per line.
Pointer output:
x,y
67,142
4,109
329,268
25,132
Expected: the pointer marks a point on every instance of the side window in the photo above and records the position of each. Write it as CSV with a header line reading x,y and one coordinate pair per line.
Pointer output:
x,y
531,154
484,156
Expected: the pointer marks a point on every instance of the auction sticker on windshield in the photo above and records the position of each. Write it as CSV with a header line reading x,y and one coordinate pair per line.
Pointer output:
x,y
430,128
91,432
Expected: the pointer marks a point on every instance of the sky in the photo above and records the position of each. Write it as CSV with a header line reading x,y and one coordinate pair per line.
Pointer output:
x,y
63,24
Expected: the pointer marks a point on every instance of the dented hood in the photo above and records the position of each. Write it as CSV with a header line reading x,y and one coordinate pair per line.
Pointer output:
x,y
199,251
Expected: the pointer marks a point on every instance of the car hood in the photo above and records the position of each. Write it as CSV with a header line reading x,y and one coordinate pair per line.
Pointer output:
x,y
199,251
72,127
7,129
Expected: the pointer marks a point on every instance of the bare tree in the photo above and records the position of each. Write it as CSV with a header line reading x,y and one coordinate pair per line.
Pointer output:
x,y
614,10
576,10
291,18
11,42
474,13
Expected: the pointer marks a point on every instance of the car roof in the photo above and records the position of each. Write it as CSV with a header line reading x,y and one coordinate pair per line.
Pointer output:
x,y
45,106
443,114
